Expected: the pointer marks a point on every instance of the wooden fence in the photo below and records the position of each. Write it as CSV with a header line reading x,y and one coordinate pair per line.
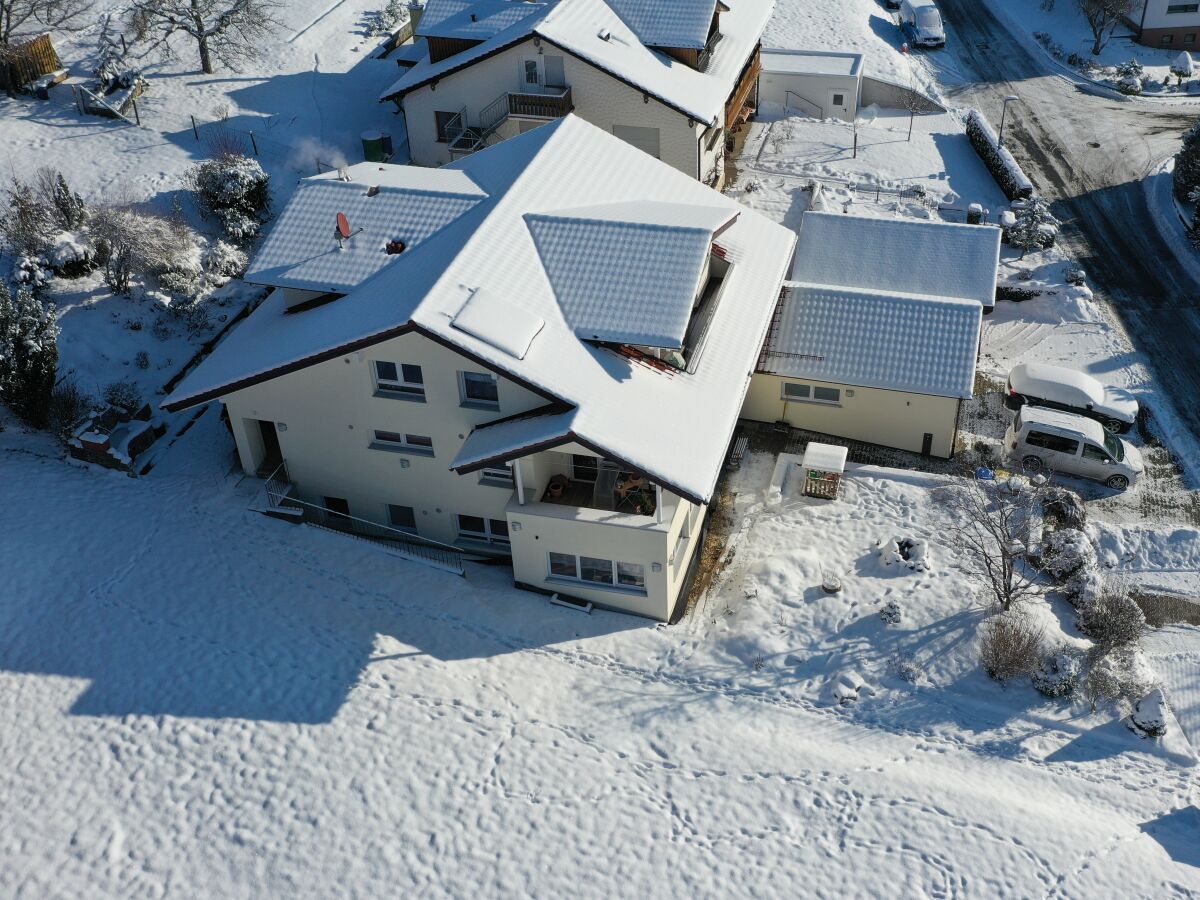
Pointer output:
x,y
27,62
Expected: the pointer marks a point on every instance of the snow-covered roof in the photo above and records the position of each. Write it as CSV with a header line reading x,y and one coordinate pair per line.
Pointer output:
x,y
473,19
627,273
386,202
811,62
879,339
513,438
672,426
678,23
593,31
904,255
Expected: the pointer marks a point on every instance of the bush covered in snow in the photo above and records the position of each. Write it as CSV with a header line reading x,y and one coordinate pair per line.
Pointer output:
x,y
1034,222
891,613
1066,552
31,272
1063,508
1150,714
1113,619
904,552
385,21
1010,646
131,243
905,667
1058,673
1120,676
28,354
1008,174
225,260
124,396
236,191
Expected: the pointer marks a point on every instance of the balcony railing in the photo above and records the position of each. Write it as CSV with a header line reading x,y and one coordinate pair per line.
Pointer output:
x,y
280,494
554,103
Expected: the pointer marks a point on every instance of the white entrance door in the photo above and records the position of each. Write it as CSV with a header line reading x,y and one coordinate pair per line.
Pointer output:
x,y
532,76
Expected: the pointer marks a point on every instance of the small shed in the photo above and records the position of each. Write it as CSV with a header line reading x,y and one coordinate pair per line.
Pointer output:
x,y
824,465
814,83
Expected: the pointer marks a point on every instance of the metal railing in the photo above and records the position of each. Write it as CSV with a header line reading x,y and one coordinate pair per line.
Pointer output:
x,y
279,489
464,139
553,103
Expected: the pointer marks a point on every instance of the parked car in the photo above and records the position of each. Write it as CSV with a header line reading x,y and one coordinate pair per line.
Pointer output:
x,y
1046,439
921,23
1056,387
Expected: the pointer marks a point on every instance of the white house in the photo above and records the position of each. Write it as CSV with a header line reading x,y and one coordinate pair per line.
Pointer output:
x,y
1170,24
669,78
876,336
539,351
815,83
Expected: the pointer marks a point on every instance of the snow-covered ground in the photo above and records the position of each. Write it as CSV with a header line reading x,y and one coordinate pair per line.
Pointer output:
x,y
1062,33
199,700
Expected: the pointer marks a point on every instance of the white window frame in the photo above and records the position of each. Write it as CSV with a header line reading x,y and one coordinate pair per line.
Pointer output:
x,y
401,442
401,387
487,536
615,573
472,402
810,395
500,475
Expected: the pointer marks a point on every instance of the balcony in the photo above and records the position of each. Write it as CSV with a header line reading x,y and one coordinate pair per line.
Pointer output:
x,y
550,103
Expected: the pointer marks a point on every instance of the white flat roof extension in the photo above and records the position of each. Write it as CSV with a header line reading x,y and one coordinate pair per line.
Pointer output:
x,y
811,62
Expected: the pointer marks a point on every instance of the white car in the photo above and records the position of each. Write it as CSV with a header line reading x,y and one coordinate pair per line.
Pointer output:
x,y
1055,387
1046,439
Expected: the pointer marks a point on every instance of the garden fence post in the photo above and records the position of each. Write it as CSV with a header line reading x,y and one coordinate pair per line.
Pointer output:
x,y
136,115
254,143
195,130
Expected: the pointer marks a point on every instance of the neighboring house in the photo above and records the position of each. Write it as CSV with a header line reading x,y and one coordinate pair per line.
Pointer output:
x,y
877,334
539,351
1170,24
670,78
812,83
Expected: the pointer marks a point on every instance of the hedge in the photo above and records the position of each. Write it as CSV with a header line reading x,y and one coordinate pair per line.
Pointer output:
x,y
999,161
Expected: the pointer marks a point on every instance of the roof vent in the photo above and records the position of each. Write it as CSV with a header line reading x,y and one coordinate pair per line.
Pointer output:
x,y
373,190
396,246
343,173
604,34
474,18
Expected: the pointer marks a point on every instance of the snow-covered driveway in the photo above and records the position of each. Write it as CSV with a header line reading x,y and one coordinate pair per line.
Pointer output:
x,y
196,700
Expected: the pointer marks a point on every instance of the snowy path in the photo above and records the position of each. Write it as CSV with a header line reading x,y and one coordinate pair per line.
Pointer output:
x,y
198,700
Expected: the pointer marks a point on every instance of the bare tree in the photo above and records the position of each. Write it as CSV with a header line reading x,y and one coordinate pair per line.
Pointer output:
x,y
1102,17
20,19
230,31
992,525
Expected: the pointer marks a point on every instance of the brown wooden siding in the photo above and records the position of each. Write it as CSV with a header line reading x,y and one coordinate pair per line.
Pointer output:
x,y
440,48
742,92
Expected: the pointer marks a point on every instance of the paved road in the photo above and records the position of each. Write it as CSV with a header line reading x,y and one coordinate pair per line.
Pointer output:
x,y
1088,155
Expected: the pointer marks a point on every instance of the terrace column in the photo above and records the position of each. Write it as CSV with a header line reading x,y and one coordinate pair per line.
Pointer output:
x,y
520,484
658,503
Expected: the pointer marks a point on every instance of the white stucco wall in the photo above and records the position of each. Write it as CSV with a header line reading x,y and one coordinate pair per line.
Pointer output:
x,y
818,90
330,413
889,418
598,97
1157,17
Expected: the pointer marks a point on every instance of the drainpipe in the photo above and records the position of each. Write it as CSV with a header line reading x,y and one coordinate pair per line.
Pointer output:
x,y
658,503
520,484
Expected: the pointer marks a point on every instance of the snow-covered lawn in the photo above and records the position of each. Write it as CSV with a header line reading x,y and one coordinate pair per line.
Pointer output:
x,y
1065,33
202,701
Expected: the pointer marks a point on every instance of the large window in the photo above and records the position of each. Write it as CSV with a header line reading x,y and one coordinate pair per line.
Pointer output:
x,y
402,518
827,394
478,390
1182,8
403,443
477,528
399,379
598,572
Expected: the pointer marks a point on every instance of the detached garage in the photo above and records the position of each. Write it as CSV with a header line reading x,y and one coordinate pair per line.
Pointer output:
x,y
812,83
875,366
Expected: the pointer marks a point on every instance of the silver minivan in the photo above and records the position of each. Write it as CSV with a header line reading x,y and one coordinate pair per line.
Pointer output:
x,y
921,23
1046,439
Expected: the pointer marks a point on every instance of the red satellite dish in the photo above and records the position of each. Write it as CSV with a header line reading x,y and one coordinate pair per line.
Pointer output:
x,y
343,226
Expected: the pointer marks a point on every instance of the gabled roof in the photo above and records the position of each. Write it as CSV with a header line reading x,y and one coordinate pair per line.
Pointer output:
x,y
593,31
625,409
899,342
475,20
627,273
904,255
677,23
386,202
513,438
